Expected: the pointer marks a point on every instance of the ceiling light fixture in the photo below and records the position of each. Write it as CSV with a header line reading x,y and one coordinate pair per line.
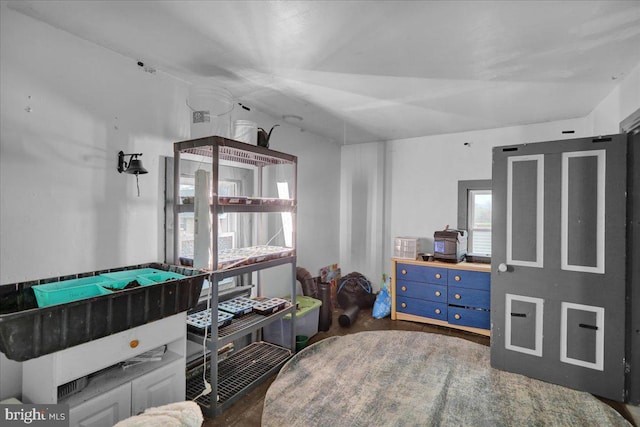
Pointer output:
x,y
292,118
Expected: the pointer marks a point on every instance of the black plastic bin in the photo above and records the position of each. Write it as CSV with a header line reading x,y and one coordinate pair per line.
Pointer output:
x,y
27,331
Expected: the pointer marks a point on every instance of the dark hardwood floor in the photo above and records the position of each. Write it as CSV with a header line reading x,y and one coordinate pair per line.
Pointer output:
x,y
247,412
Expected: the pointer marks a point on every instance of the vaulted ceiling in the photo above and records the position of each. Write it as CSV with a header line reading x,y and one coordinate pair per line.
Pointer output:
x,y
360,71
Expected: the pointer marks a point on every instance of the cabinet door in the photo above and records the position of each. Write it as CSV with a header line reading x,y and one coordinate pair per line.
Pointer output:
x,y
104,410
160,387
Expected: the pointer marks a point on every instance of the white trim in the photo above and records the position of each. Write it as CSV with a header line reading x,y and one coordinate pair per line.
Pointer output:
x,y
539,262
564,220
539,302
599,311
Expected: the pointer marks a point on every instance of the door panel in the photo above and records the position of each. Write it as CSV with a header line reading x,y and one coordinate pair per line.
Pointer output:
x,y
523,329
582,335
545,309
583,198
525,210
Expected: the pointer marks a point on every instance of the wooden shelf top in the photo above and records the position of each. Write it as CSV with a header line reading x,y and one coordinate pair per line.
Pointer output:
x,y
471,266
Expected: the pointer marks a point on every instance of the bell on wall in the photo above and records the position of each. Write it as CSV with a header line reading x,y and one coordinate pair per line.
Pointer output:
x,y
134,167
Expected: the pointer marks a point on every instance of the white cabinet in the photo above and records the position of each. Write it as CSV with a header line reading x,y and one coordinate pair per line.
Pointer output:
x,y
103,410
162,386
159,387
112,392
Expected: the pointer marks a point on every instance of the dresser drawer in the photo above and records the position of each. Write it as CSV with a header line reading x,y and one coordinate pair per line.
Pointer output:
x,y
425,291
469,297
470,279
418,307
469,317
418,273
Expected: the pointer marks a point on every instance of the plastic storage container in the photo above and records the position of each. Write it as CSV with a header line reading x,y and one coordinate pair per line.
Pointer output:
x,y
28,331
307,315
66,291
245,131
161,276
406,247
118,285
130,274
209,110
62,293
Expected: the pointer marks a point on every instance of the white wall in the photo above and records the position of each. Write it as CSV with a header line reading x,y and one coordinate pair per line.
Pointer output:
x,y
623,100
318,198
64,208
423,174
361,210
318,192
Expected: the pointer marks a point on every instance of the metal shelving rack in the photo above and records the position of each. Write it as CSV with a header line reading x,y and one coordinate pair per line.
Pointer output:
x,y
238,373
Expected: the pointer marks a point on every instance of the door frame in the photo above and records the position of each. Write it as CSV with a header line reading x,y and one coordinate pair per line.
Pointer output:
x,y
631,126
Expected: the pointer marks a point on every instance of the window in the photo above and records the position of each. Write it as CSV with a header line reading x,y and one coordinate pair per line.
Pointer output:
x,y
227,223
474,215
479,222
233,181
287,219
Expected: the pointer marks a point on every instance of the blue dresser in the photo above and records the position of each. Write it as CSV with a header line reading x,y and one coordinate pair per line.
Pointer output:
x,y
454,295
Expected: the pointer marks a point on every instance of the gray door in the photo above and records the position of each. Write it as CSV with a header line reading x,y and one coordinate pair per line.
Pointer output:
x,y
558,262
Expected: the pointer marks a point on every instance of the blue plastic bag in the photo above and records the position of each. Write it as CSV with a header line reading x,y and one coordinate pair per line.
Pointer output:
x,y
382,306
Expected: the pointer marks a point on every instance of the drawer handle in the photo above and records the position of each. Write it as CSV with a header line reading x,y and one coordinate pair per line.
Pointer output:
x,y
134,343
438,311
404,288
457,278
438,293
404,271
457,296
583,325
457,316
404,305
438,275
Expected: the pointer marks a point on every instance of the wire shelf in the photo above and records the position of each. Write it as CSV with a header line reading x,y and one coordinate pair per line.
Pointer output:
x,y
235,151
238,372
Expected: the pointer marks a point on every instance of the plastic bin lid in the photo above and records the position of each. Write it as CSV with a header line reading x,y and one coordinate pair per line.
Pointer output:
x,y
305,305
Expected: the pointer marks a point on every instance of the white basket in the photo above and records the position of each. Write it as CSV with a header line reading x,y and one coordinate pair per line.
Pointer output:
x,y
406,247
245,131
